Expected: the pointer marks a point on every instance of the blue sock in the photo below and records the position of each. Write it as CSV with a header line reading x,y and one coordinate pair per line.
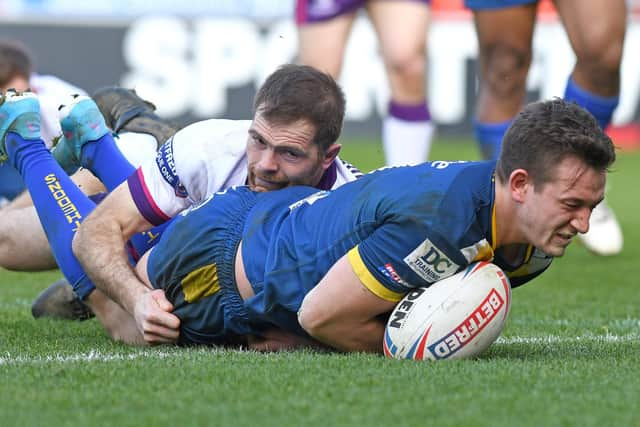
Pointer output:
x,y
60,204
104,159
11,183
601,107
489,136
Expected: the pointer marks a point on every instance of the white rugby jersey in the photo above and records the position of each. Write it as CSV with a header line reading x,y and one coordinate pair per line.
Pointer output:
x,y
199,160
51,92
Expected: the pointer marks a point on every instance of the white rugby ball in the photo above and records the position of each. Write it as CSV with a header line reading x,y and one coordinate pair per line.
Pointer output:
x,y
455,318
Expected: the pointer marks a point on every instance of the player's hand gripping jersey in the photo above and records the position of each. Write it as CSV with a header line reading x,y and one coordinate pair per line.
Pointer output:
x,y
201,159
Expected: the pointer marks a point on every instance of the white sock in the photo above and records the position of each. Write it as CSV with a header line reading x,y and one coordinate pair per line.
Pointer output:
x,y
406,142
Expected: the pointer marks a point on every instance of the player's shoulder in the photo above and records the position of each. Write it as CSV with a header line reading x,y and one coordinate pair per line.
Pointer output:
x,y
464,177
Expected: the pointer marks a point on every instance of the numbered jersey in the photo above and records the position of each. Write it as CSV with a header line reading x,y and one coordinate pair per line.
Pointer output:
x,y
201,159
401,228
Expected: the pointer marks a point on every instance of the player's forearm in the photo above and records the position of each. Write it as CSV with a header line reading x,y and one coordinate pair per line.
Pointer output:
x,y
99,246
352,337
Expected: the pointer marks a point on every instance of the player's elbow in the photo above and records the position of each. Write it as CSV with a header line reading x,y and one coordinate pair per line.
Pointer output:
x,y
312,320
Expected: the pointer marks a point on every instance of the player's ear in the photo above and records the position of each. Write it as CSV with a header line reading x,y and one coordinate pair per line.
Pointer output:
x,y
330,154
519,184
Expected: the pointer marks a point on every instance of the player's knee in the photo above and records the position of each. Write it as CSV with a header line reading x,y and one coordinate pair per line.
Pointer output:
x,y
8,249
505,71
600,63
407,65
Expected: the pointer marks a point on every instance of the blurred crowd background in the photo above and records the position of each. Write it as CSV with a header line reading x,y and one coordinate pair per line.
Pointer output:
x,y
202,59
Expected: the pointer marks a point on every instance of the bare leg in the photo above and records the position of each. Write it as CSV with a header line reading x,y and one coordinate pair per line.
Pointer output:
x,y
504,41
322,44
402,31
596,33
401,27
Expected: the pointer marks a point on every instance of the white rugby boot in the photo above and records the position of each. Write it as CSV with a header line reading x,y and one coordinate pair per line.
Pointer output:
x,y
605,235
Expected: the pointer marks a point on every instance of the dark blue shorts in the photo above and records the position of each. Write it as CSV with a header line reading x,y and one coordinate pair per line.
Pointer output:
x,y
308,11
495,4
194,263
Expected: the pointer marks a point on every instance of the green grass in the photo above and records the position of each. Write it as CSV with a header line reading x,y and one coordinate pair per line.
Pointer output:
x,y
569,356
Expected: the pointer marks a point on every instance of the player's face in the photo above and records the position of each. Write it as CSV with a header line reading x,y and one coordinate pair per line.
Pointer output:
x,y
559,210
280,155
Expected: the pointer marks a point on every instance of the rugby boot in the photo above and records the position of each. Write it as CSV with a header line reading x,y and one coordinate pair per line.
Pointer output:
x,y
81,122
19,113
125,111
605,235
59,301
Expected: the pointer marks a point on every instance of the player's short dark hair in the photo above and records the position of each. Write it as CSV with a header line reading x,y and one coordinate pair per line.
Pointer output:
x,y
15,61
299,92
546,132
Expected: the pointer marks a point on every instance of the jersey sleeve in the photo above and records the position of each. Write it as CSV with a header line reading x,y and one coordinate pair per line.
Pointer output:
x,y
196,162
392,261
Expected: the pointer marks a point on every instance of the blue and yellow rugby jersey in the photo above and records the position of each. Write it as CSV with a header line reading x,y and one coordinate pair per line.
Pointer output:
x,y
402,228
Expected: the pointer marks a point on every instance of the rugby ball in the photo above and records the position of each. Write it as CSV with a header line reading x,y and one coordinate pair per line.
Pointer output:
x,y
455,318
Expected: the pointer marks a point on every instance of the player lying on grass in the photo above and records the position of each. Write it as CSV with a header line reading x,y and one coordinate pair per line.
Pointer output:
x,y
283,148
330,265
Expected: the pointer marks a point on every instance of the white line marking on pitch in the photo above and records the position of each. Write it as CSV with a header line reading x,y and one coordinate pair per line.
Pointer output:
x,y
95,356
98,356
554,339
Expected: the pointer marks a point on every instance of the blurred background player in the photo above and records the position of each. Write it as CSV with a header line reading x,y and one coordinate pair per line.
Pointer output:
x,y
401,27
596,32
17,71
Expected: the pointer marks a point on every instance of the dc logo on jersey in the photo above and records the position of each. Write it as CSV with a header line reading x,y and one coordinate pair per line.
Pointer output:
x,y
167,166
430,263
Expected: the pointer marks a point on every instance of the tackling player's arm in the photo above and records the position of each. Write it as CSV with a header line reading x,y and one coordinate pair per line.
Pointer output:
x,y
341,312
99,245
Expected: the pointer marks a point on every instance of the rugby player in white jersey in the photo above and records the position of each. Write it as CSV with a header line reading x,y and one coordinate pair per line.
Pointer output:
x,y
291,140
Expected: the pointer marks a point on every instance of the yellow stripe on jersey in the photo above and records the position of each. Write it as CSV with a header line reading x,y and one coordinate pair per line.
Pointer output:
x,y
201,283
485,251
494,228
369,280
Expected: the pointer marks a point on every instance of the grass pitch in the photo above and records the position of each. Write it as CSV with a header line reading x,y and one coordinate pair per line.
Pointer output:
x,y
569,356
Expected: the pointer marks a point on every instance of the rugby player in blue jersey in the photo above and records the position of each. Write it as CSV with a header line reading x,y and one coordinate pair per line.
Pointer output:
x,y
328,265
596,31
